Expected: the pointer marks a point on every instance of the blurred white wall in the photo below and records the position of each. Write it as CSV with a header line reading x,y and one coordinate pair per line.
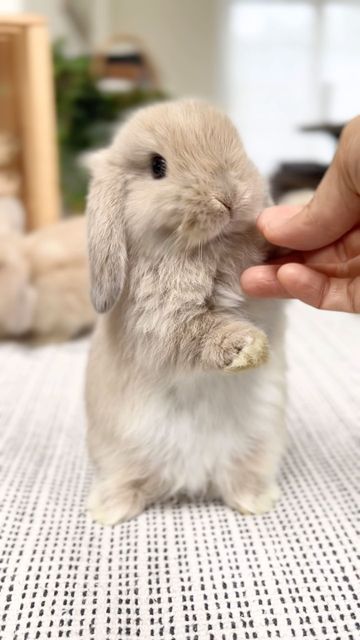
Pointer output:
x,y
290,63
59,24
183,38
10,6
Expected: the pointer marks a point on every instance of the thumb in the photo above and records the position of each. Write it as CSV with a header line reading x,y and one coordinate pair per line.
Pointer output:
x,y
334,209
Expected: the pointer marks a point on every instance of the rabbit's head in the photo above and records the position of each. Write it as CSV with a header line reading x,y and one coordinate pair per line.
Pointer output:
x,y
175,177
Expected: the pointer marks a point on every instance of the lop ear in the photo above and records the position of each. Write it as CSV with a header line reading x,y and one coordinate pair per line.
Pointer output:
x,y
106,234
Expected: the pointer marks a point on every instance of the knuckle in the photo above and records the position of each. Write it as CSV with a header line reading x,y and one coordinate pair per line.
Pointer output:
x,y
323,294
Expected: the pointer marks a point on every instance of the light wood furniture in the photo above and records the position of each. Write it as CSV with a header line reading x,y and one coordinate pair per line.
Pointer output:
x,y
27,112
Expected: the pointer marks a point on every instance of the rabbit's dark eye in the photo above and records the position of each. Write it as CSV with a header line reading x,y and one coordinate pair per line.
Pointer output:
x,y
158,166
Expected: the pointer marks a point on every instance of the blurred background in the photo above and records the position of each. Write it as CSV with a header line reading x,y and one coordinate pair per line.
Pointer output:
x,y
286,71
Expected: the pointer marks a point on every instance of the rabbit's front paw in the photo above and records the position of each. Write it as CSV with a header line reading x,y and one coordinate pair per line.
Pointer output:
x,y
235,348
252,351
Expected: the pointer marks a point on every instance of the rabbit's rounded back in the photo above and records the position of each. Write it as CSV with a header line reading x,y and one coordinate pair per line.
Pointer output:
x,y
17,298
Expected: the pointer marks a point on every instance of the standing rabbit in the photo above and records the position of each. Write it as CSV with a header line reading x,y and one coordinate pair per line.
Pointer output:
x,y
185,381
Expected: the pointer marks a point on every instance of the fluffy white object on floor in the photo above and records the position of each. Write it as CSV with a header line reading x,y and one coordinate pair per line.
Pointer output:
x,y
44,283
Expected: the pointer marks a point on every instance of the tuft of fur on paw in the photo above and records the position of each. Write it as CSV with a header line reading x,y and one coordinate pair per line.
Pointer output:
x,y
112,510
254,353
248,503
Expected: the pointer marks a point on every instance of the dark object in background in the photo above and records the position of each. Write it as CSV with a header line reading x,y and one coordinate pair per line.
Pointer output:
x,y
292,176
124,58
332,129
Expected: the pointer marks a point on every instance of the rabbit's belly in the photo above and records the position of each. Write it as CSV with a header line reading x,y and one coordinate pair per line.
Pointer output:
x,y
201,424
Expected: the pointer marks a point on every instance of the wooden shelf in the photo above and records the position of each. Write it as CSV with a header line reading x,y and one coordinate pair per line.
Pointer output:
x,y
28,113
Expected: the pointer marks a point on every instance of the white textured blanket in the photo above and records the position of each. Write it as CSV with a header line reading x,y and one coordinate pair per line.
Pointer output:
x,y
192,571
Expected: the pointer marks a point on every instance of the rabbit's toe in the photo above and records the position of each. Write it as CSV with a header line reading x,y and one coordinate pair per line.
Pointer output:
x,y
253,353
114,509
249,503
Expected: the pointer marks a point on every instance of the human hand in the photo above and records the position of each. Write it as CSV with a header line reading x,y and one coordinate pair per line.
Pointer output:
x,y
324,268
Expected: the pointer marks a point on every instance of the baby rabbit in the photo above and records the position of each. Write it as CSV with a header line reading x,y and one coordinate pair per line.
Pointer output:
x,y
175,404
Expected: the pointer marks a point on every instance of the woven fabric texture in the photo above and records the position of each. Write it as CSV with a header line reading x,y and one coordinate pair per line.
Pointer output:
x,y
190,571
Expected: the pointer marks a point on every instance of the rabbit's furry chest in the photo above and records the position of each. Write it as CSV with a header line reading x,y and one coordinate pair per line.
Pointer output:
x,y
163,295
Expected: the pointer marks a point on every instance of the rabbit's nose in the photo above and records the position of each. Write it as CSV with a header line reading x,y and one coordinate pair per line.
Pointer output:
x,y
225,202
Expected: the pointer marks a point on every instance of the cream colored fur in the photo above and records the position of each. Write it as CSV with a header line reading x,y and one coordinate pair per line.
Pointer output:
x,y
185,381
44,283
